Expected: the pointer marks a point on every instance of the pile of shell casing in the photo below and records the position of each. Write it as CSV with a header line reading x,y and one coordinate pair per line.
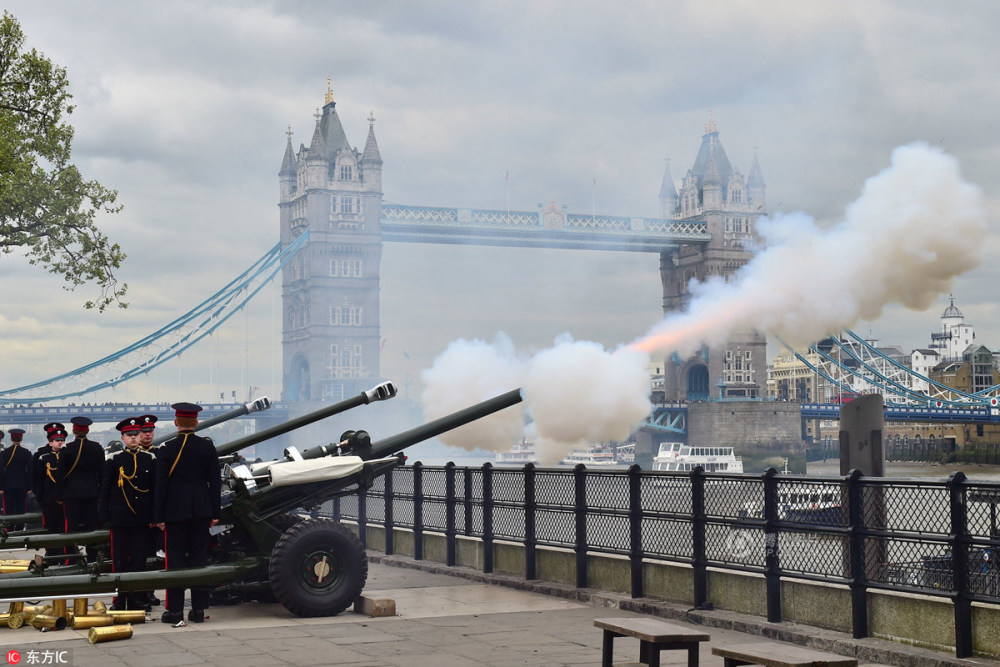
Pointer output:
x,y
103,625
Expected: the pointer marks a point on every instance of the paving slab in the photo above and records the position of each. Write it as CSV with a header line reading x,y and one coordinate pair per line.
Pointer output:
x,y
442,620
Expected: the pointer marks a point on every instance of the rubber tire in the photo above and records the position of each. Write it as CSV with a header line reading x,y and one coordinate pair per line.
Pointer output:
x,y
292,569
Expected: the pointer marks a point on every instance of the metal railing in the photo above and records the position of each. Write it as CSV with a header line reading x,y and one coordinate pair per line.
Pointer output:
x,y
927,537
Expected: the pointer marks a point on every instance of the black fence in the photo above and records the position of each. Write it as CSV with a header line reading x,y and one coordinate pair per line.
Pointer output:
x,y
929,537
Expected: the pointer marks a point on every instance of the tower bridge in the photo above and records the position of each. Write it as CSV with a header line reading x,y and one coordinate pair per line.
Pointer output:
x,y
333,223
331,335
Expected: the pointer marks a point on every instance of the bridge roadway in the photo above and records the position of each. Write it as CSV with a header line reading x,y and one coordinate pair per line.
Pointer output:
x,y
665,416
115,412
672,417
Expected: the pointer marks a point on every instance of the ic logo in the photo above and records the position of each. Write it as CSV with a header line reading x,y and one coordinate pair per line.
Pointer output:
x,y
13,657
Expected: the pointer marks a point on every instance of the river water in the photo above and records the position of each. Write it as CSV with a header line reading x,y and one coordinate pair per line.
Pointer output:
x,y
927,471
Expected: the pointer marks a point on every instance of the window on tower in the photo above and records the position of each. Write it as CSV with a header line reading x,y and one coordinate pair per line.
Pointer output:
x,y
346,172
346,316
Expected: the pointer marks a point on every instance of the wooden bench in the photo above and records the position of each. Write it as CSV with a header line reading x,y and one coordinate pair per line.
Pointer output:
x,y
779,655
653,635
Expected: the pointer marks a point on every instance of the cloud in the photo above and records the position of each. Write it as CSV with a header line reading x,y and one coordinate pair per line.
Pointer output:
x,y
904,240
182,108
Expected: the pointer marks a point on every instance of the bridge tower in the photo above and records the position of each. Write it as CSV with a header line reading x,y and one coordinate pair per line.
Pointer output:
x,y
714,192
330,288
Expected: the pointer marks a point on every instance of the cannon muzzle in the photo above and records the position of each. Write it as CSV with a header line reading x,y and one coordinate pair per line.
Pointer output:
x,y
400,441
381,392
258,405
395,443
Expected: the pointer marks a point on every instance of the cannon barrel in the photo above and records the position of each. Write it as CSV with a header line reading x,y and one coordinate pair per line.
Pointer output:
x,y
22,541
258,405
394,443
28,517
89,584
381,392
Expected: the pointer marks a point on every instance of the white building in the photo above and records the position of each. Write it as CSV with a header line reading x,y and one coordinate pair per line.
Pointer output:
x,y
955,336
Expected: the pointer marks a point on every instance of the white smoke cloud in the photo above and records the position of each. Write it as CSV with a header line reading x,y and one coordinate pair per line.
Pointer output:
x,y
468,372
576,393
916,226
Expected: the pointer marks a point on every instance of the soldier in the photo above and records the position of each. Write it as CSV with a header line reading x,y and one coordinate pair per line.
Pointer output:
x,y
46,487
188,504
15,473
80,469
45,449
146,434
126,503
147,431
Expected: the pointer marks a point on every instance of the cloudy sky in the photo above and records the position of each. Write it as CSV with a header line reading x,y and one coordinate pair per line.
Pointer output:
x,y
182,107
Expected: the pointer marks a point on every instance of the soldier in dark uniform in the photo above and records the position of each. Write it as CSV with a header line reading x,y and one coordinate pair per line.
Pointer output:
x,y
80,467
15,473
45,449
147,431
146,437
188,504
126,503
46,487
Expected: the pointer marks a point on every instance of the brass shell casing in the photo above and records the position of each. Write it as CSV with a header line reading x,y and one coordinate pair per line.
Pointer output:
x,y
16,607
17,619
80,607
100,607
109,634
92,621
46,621
59,608
38,609
128,616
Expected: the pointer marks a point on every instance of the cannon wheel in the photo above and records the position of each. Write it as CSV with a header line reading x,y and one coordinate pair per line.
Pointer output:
x,y
318,568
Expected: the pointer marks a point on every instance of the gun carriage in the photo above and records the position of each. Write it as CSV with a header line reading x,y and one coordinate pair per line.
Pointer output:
x,y
263,548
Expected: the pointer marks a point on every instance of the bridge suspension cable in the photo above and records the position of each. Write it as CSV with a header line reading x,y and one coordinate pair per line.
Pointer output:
x,y
165,343
861,368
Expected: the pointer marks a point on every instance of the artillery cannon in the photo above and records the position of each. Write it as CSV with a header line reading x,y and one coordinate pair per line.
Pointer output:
x,y
263,550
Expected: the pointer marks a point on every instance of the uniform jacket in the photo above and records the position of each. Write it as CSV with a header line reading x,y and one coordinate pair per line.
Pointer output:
x,y
15,468
47,477
127,489
188,480
81,464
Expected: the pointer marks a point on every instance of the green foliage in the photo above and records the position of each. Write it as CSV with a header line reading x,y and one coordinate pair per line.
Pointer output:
x,y
47,208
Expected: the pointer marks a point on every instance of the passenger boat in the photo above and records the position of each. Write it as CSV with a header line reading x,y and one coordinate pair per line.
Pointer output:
x,y
598,456
678,457
802,502
520,454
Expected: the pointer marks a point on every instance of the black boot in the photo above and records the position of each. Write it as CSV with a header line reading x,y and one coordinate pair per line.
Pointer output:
x,y
172,617
196,615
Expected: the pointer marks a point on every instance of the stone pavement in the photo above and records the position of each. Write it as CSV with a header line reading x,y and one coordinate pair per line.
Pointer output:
x,y
442,621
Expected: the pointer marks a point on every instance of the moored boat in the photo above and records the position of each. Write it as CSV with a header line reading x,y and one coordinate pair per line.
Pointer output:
x,y
679,457
598,456
520,454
